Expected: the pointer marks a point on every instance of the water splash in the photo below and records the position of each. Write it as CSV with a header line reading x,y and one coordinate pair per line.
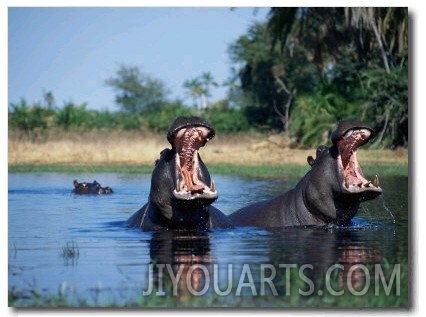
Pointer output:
x,y
387,209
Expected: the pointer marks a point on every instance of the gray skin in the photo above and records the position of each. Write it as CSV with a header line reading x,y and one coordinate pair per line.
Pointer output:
x,y
182,191
331,192
95,188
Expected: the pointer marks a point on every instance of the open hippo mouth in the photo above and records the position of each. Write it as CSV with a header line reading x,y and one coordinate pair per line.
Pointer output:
x,y
189,173
353,177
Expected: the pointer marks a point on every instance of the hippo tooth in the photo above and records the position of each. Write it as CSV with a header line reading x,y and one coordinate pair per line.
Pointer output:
x,y
367,184
346,183
376,181
212,186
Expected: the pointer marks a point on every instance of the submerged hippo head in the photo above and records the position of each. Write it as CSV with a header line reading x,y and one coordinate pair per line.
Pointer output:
x,y
90,188
337,183
181,188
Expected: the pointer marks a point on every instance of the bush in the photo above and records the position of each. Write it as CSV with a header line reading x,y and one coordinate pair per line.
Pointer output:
x,y
32,120
314,117
71,115
160,118
225,119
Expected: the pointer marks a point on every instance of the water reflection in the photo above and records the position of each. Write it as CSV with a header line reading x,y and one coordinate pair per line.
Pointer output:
x,y
356,256
181,263
346,252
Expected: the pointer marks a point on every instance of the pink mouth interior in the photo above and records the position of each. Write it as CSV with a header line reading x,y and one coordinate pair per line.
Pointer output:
x,y
187,142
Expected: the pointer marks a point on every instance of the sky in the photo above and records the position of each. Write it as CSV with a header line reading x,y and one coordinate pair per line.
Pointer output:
x,y
71,51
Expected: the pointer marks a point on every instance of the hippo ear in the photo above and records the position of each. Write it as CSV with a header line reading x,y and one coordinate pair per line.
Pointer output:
x,y
310,160
163,151
321,149
75,183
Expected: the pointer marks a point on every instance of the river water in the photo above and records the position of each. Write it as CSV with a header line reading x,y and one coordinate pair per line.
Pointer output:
x,y
78,247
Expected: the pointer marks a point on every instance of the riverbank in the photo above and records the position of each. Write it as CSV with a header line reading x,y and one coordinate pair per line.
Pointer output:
x,y
115,151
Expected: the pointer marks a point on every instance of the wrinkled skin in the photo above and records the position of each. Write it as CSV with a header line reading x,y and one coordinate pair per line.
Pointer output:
x,y
95,188
331,192
182,191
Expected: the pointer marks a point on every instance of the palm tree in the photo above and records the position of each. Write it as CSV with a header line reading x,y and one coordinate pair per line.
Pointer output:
x,y
195,90
389,25
207,81
199,88
49,99
325,30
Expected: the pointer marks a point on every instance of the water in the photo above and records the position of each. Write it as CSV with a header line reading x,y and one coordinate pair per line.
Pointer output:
x,y
60,243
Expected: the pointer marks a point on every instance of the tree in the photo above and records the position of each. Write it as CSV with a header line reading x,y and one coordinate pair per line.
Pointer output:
x,y
262,93
136,91
279,71
199,88
234,96
194,90
389,26
49,99
207,81
344,63
325,31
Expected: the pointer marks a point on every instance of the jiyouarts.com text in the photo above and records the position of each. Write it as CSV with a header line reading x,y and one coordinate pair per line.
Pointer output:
x,y
268,279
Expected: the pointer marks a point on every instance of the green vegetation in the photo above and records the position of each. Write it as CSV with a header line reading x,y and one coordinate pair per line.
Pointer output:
x,y
331,64
298,72
258,171
70,250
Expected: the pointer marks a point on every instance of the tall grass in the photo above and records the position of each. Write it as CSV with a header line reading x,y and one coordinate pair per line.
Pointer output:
x,y
121,151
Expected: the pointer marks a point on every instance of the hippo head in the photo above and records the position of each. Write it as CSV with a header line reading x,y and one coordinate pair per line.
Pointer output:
x,y
337,183
90,188
180,181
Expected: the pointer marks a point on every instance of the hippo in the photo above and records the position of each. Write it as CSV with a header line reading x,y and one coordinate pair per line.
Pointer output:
x,y
90,188
330,193
181,190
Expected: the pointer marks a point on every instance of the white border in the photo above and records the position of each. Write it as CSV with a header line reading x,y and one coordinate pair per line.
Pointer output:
x,y
416,120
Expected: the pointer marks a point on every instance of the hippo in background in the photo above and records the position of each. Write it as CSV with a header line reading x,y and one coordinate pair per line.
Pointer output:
x,y
182,191
84,188
331,192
